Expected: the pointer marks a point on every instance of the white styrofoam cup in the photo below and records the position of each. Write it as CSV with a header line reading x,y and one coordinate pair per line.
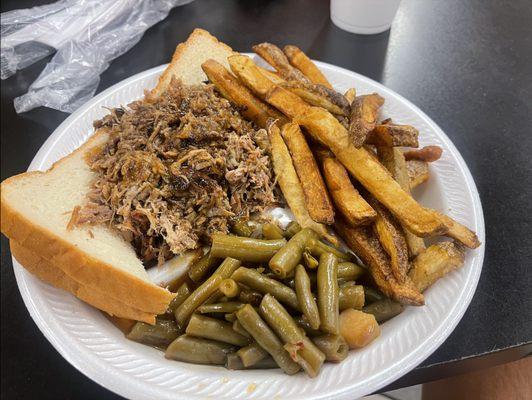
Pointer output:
x,y
365,17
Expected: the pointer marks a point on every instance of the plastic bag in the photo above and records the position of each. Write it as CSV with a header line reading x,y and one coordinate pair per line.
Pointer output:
x,y
87,34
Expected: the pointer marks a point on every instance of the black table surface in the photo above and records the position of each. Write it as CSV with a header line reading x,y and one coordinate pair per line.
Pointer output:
x,y
467,64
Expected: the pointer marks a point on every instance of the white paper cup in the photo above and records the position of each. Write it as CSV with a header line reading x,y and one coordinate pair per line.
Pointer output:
x,y
365,17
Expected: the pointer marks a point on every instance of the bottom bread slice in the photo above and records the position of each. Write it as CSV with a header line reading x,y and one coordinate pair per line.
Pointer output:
x,y
54,276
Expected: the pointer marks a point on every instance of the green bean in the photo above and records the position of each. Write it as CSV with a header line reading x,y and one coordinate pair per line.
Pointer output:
x,y
159,335
312,276
230,317
264,336
227,267
291,229
229,288
196,298
317,248
372,295
250,296
310,261
216,297
300,347
235,363
334,347
286,259
213,308
199,270
245,249
214,329
272,231
180,296
384,309
327,293
269,274
306,298
351,296
350,271
252,354
252,279
198,351
238,328
303,323
243,228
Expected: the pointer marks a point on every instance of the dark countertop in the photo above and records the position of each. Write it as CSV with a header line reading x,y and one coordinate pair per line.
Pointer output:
x,y
466,64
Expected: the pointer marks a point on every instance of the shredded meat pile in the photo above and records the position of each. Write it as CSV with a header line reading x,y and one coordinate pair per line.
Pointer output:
x,y
177,169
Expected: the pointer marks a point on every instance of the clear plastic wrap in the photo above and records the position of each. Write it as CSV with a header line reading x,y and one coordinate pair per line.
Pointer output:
x,y
87,34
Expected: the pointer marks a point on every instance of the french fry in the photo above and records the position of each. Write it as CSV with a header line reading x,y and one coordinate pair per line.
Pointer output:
x,y
252,76
427,154
459,232
301,61
316,197
392,239
363,117
271,75
393,135
276,58
314,94
418,172
437,261
290,184
392,158
346,198
320,96
350,95
229,86
365,244
326,129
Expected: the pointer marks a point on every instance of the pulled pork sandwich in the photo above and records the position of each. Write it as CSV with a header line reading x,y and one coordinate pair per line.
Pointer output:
x,y
176,169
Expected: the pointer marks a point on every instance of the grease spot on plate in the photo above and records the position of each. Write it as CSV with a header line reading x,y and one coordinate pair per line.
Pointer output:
x,y
251,388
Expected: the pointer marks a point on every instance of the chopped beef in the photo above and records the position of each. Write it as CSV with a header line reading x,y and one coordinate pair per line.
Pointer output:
x,y
176,169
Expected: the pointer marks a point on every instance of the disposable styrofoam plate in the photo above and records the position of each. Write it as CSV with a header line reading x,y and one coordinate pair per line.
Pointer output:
x,y
87,340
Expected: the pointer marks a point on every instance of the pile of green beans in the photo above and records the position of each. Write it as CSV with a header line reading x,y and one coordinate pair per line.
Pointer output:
x,y
264,298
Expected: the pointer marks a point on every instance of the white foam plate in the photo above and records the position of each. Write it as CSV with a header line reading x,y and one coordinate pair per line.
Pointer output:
x,y
88,341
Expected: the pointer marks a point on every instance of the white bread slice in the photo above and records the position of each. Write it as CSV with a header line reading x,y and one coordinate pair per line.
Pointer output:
x,y
188,57
49,273
36,208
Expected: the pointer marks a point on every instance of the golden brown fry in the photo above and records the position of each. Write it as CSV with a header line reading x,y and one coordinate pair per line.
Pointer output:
x,y
438,260
229,86
350,95
325,128
365,244
290,184
459,232
271,75
276,58
363,117
252,76
392,239
392,158
316,197
320,96
393,135
427,154
418,172
346,198
361,164
302,62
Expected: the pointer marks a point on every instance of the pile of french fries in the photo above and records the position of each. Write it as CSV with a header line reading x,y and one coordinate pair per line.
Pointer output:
x,y
339,165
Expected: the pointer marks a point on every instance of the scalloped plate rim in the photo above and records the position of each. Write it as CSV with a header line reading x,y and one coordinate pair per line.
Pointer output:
x,y
129,386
